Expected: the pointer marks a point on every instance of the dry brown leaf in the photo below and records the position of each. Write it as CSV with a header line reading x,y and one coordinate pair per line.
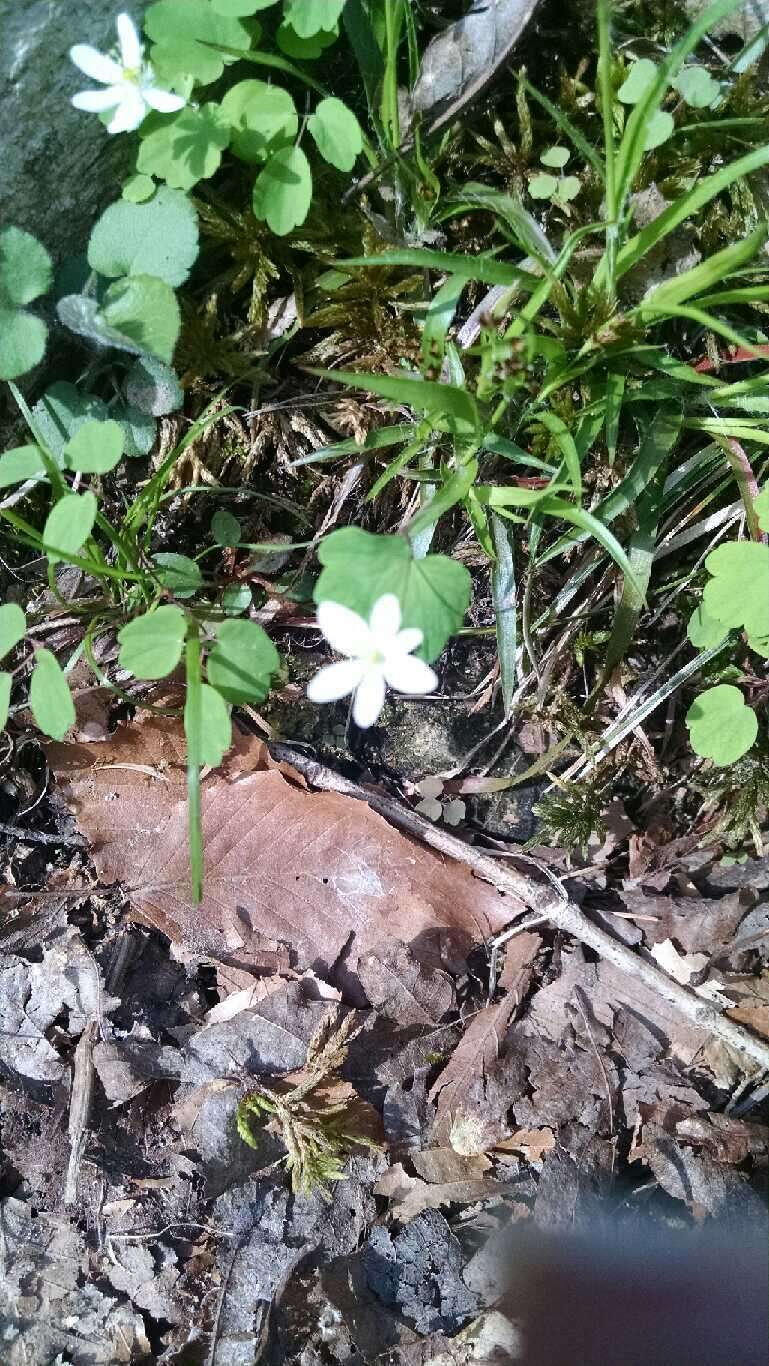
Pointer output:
x,y
402,988
533,1143
309,869
410,1195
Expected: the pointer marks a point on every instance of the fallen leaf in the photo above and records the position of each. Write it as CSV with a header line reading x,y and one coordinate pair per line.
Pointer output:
x,y
401,987
533,1143
409,1196
309,869
697,924
682,967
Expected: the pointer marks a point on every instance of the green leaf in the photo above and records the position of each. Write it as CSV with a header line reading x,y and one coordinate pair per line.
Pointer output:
x,y
239,9
738,592
262,119
142,312
26,272
181,31
49,696
485,268
69,524
5,697
236,598
565,443
95,448
178,573
721,726
153,387
225,528
568,188
241,664
157,238
151,645
208,725
304,49
187,148
62,411
137,427
543,186
761,505
139,189
283,190
427,396
639,79
359,567
337,133
704,630
503,597
20,463
703,276
555,156
306,17
697,87
13,624
659,128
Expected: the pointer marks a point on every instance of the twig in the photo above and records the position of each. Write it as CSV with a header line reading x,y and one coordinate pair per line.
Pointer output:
x,y
40,837
536,896
80,1102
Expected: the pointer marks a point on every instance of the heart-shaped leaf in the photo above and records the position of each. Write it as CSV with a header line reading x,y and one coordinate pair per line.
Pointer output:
x,y
283,190
306,17
721,726
262,119
95,448
543,186
49,696
640,78
158,238
178,573
241,664
555,156
25,273
13,624
151,645
69,524
697,87
337,133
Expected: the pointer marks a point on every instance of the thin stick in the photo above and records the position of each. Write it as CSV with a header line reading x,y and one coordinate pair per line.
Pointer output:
x,y
40,837
536,896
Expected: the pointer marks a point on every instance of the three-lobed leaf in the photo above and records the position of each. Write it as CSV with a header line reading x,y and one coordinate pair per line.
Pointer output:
x,y
721,726
262,118
738,592
185,35
186,148
359,567
151,645
307,17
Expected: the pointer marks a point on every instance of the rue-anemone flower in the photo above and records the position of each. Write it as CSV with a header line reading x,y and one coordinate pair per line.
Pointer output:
x,y
131,89
378,653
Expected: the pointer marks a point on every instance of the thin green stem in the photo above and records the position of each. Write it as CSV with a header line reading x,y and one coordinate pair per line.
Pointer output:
x,y
390,114
607,112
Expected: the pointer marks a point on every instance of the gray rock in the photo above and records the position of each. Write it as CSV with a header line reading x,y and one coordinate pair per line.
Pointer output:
x,y
60,166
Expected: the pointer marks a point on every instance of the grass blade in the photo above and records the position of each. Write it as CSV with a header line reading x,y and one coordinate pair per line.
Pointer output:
x,y
484,268
503,596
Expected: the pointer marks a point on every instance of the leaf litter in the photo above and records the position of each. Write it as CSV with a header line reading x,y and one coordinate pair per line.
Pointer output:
x,y
498,1104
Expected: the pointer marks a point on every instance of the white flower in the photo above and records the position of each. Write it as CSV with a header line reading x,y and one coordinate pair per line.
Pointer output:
x,y
131,89
378,652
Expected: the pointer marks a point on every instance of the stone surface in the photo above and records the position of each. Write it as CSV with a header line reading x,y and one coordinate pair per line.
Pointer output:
x,y
60,166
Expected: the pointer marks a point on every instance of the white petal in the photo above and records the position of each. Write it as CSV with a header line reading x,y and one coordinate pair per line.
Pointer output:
x,y
345,631
385,619
407,674
129,114
369,699
96,101
162,100
336,680
94,64
130,42
407,640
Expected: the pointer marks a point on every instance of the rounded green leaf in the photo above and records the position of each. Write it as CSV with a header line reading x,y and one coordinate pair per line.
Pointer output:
x,y
555,156
568,188
697,87
187,148
225,528
283,190
208,726
69,524
262,118
659,128
306,17
704,631
151,645
738,592
359,567
26,269
240,8
95,448
5,697
138,429
157,238
761,504
337,133
22,342
183,31
721,726
304,49
13,624
144,313
640,78
153,387
178,573
543,186
242,661
62,411
236,598
22,462
49,697
139,189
